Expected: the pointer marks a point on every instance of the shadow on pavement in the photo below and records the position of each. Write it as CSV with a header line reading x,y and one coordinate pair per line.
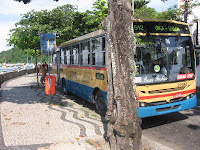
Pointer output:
x,y
162,120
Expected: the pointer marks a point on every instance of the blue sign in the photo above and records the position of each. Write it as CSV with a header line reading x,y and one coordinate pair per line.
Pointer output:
x,y
47,43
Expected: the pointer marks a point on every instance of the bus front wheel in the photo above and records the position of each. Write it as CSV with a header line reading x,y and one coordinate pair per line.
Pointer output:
x,y
100,103
64,87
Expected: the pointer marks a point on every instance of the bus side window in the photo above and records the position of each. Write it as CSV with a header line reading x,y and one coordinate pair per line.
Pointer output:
x,y
71,56
68,56
188,51
62,55
81,54
94,47
89,51
104,50
98,54
54,59
65,58
75,54
85,53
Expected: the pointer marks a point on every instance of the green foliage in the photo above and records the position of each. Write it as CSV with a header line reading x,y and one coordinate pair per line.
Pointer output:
x,y
69,23
27,31
64,20
101,10
145,13
15,55
84,22
190,5
173,13
24,1
140,3
28,1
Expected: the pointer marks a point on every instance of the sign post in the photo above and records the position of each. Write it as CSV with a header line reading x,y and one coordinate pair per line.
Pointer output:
x,y
47,45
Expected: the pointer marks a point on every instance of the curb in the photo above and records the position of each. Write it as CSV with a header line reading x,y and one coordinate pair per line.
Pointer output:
x,y
148,144
85,143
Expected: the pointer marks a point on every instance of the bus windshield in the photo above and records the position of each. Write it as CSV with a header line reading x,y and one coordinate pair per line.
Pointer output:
x,y
164,59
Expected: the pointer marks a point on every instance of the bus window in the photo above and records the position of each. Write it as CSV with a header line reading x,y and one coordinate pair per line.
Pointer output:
x,y
84,55
65,58
164,59
89,53
54,59
75,53
68,55
71,57
98,55
94,49
103,51
62,55
81,54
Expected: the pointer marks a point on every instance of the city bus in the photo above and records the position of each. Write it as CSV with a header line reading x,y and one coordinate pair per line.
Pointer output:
x,y
165,62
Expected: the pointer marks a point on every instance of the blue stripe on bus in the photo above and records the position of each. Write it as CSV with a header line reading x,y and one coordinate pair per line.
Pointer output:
x,y
82,90
85,92
167,108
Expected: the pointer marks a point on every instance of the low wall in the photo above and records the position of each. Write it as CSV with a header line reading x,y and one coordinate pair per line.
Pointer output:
x,y
10,75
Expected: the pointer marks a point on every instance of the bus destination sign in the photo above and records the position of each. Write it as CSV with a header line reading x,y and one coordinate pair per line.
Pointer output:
x,y
160,27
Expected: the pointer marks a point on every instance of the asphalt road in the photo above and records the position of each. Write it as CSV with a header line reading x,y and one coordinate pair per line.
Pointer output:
x,y
178,131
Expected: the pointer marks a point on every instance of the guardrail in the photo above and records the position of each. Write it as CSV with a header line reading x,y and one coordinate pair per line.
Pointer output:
x,y
10,75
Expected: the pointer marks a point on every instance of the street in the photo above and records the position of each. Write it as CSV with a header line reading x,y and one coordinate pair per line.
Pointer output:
x,y
178,131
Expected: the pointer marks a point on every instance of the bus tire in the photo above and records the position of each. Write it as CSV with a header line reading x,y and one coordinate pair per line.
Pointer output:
x,y
64,87
100,103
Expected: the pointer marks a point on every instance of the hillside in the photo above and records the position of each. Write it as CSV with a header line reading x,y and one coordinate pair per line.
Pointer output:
x,y
15,55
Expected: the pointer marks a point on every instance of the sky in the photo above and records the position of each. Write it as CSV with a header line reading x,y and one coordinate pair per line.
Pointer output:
x,y
10,12
162,6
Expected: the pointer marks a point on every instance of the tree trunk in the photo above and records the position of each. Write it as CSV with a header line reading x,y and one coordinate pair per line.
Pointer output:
x,y
124,132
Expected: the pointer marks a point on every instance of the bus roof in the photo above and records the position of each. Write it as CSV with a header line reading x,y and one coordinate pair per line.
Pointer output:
x,y
83,37
159,20
100,32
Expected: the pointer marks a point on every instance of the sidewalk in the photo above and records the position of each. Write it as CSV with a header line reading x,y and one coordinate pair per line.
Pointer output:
x,y
30,122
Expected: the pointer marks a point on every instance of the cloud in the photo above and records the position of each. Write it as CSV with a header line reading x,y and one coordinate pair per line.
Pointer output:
x,y
161,6
10,13
11,7
4,30
82,4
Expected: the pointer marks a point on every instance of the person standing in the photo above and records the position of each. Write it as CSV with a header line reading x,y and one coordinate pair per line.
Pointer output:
x,y
46,65
44,74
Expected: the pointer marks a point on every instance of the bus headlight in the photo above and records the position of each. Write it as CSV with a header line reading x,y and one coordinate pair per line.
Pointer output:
x,y
142,104
190,96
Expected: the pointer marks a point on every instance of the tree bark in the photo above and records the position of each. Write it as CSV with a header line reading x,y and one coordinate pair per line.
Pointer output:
x,y
124,131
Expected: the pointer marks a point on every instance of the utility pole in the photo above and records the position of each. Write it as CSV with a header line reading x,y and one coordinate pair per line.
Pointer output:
x,y
36,67
186,11
197,35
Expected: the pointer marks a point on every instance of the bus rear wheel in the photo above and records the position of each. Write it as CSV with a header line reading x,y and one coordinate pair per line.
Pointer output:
x,y
100,103
64,87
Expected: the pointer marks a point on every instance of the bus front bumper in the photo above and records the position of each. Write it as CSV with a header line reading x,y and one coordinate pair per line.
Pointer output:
x,y
149,111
